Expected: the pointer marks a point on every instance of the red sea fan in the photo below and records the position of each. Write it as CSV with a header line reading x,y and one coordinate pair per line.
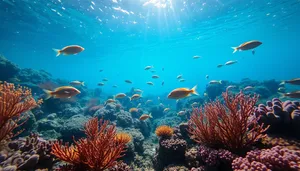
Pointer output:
x,y
230,125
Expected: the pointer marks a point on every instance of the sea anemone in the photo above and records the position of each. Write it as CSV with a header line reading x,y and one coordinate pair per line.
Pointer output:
x,y
123,137
164,131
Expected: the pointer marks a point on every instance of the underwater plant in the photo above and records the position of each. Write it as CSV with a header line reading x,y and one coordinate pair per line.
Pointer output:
x,y
97,152
14,101
230,125
164,131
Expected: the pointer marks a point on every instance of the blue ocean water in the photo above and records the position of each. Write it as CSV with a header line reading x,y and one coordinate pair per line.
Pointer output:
x,y
122,37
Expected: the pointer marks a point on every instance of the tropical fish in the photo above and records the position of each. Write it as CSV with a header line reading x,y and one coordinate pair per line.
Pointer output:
x,y
100,84
148,67
294,94
120,95
128,81
104,79
109,101
114,86
219,66
161,105
135,97
247,46
205,94
181,80
139,105
179,76
281,89
248,88
155,76
69,50
149,83
148,101
153,71
166,110
62,92
196,57
230,87
295,81
145,116
162,83
230,62
194,104
137,90
100,70
133,110
215,82
180,113
207,76
163,69
76,83
182,93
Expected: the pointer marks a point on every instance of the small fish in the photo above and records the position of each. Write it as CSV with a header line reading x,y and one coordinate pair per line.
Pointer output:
x,y
135,97
149,83
69,50
230,62
219,66
163,69
230,87
120,96
158,98
138,90
62,92
128,81
295,81
133,110
166,110
153,71
194,104
181,80
161,105
139,105
180,113
215,82
179,76
76,83
196,57
100,84
104,79
148,67
100,70
294,94
115,86
148,101
281,89
109,101
247,46
145,116
248,88
205,94
207,76
162,83
155,76
180,93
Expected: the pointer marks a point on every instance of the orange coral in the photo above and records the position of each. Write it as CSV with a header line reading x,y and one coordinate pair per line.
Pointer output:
x,y
164,131
123,137
13,102
97,152
230,125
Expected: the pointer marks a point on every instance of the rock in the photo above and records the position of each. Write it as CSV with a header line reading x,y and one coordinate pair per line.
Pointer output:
x,y
10,69
124,119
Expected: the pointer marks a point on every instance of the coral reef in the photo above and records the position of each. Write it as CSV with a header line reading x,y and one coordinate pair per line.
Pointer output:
x,y
211,125
276,158
283,117
7,67
164,131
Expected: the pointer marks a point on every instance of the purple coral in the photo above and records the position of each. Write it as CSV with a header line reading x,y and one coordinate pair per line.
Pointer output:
x,y
276,158
283,117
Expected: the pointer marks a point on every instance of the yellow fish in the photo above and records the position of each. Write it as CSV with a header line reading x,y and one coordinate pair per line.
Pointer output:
x,y
180,93
69,50
62,92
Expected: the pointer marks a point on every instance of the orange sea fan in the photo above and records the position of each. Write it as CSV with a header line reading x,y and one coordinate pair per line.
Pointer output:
x,y
123,137
164,131
13,102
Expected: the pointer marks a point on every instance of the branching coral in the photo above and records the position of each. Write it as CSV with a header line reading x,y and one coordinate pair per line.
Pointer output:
x,y
97,152
13,102
230,125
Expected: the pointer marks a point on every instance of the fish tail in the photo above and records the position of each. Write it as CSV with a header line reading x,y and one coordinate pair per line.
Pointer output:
x,y
194,91
58,52
220,81
234,49
282,95
82,84
48,94
150,115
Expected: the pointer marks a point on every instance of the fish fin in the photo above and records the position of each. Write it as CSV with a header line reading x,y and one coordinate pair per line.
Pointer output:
x,y
282,83
66,92
150,115
58,52
234,49
282,95
220,81
82,84
48,94
253,52
194,91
